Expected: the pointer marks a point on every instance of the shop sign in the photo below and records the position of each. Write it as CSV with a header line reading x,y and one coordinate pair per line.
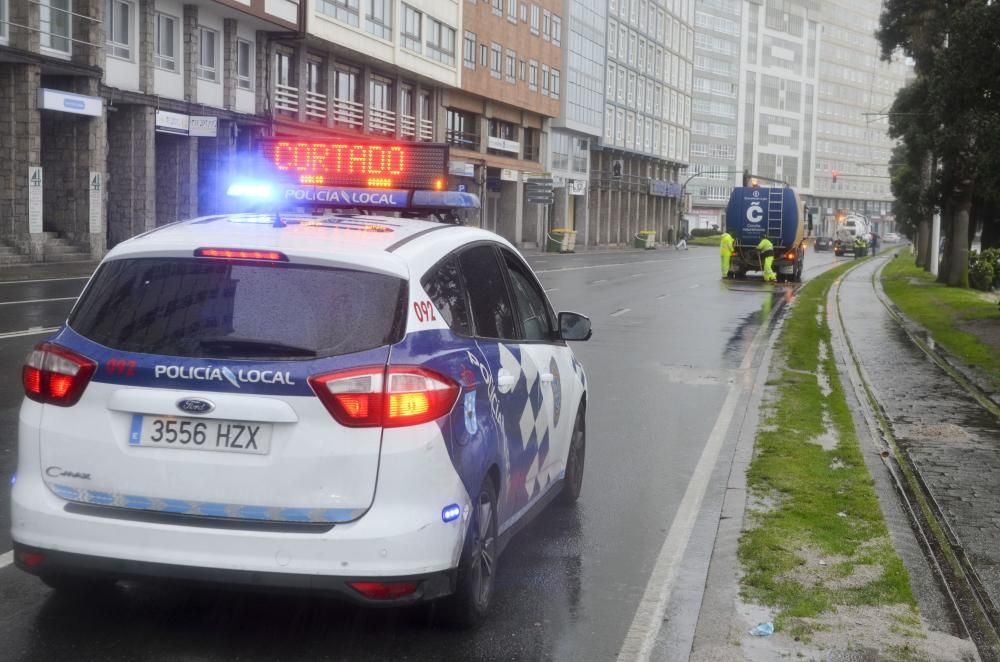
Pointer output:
x,y
503,145
206,127
577,186
67,102
509,175
34,199
673,190
461,168
658,187
96,189
167,122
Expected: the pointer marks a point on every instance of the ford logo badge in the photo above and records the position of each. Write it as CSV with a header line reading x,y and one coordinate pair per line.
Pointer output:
x,y
195,406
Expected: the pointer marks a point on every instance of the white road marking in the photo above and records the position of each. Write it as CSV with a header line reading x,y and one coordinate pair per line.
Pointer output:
x,y
12,303
617,264
648,619
662,296
595,282
33,331
6,559
42,280
695,285
620,311
552,289
636,275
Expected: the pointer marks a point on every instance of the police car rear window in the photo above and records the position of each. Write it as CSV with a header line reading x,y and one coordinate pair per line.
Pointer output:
x,y
239,309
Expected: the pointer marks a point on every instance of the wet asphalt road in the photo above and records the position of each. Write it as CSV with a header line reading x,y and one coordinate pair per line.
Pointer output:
x,y
667,337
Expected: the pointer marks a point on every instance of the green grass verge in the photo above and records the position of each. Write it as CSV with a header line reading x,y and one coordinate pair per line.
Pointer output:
x,y
822,503
706,241
942,310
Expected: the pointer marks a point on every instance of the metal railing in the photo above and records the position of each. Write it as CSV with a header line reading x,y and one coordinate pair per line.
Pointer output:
x,y
426,130
407,126
381,120
316,106
348,113
286,98
463,139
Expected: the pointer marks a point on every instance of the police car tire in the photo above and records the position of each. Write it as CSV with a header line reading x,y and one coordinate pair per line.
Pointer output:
x,y
575,461
468,605
77,585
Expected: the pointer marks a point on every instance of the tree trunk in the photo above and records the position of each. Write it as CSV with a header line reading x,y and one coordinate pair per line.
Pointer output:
x,y
991,225
944,250
923,244
958,263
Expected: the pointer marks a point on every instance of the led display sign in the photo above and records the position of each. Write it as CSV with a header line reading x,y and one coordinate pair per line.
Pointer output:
x,y
350,163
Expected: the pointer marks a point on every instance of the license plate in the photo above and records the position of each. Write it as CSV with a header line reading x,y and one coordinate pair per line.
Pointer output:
x,y
786,270
201,434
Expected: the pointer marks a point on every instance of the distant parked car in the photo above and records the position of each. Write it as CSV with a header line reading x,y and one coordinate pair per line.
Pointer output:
x,y
890,237
823,244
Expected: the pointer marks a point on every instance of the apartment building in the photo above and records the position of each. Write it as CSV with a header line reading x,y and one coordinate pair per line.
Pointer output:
x,y
581,116
647,119
498,120
714,169
855,91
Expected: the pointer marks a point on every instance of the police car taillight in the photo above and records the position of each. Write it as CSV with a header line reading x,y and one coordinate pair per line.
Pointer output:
x,y
54,375
393,397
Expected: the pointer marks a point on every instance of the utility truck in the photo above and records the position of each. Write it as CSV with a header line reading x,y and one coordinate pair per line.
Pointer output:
x,y
775,212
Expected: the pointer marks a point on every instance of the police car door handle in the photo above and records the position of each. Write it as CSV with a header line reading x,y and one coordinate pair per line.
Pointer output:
x,y
505,379
547,377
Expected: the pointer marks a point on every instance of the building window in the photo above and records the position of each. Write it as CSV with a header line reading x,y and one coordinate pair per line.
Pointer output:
x,y
535,11
378,18
345,11
505,131
411,34
483,55
165,43
54,24
380,92
554,83
532,75
511,66
545,79
440,42
469,50
118,29
524,12
498,7
521,67
244,64
314,77
208,62
463,130
496,52
3,20
556,30
284,71
347,102
530,151
546,24
512,11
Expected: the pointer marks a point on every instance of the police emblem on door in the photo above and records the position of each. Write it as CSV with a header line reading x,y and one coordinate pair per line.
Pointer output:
x,y
471,423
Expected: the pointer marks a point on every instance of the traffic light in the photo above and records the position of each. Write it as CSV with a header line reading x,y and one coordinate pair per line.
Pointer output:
x,y
835,173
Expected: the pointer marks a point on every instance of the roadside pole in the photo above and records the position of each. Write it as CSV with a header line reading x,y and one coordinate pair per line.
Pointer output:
x,y
935,243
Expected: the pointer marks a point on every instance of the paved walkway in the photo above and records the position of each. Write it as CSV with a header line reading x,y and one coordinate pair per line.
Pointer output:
x,y
952,440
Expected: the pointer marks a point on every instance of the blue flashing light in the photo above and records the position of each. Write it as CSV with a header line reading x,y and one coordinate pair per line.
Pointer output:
x,y
451,513
251,190
444,200
13,479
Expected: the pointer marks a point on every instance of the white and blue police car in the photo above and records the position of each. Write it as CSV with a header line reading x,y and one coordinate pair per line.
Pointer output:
x,y
350,398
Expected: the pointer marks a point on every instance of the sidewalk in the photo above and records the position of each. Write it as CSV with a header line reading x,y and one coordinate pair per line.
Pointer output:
x,y
948,436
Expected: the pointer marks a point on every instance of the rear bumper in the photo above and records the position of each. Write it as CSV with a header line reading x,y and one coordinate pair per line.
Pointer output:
x,y
429,585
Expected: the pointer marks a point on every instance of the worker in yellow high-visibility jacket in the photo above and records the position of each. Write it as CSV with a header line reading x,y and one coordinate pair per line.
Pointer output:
x,y
766,249
726,251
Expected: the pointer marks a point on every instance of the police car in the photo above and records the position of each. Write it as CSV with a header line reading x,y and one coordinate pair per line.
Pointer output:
x,y
339,398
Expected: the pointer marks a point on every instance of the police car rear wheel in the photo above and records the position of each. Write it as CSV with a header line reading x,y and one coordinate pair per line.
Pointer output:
x,y
468,605
573,481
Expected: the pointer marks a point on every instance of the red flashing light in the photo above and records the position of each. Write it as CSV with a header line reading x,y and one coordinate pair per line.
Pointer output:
x,y
54,375
376,397
239,254
790,256
384,590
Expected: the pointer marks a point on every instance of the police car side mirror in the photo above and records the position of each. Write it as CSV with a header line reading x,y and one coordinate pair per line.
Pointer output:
x,y
574,326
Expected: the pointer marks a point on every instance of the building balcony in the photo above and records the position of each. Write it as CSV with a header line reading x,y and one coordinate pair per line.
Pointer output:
x,y
316,106
286,98
462,139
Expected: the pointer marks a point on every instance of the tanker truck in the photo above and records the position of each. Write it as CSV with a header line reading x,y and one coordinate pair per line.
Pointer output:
x,y
775,212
